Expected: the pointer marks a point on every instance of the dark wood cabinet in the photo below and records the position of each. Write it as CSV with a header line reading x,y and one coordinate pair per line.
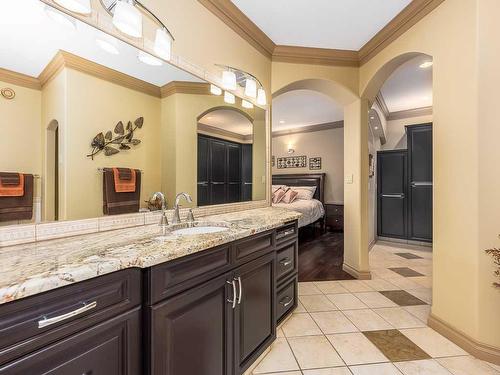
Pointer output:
x,y
109,348
334,216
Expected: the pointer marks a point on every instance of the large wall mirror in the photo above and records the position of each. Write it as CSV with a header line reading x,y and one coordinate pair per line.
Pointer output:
x,y
92,126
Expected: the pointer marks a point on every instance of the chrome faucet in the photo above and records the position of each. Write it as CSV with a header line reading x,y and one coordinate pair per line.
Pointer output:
x,y
163,219
177,217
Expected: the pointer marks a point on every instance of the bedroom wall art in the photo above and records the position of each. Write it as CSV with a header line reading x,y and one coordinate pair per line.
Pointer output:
x,y
315,163
292,162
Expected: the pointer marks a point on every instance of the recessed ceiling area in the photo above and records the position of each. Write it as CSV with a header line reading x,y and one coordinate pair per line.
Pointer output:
x,y
228,120
409,86
30,39
299,108
337,24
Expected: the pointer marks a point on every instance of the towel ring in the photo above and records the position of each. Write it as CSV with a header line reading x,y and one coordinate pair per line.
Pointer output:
x,y
8,93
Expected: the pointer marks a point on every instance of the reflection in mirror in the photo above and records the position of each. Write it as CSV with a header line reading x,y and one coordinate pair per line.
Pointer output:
x,y
79,91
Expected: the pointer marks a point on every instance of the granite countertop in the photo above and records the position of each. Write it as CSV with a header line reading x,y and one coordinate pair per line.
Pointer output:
x,y
33,268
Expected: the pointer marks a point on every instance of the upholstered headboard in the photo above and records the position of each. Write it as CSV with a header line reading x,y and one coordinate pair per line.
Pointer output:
x,y
305,179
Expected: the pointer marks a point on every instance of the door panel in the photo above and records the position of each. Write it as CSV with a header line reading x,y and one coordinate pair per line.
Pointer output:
x,y
420,223
391,193
191,332
255,326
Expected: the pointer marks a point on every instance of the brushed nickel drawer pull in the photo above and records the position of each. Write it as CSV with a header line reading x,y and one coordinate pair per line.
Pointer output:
x,y
233,301
45,322
286,301
285,262
241,289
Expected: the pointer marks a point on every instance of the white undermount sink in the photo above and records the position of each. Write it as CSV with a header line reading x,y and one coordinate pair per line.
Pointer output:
x,y
196,227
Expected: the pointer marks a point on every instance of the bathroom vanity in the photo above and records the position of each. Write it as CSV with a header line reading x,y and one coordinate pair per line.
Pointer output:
x,y
209,311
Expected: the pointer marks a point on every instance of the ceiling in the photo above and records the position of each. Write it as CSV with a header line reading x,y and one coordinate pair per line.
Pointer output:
x,y
298,108
334,24
409,86
38,38
228,120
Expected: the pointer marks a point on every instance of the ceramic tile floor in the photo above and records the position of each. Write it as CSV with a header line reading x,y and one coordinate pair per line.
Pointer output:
x,y
353,327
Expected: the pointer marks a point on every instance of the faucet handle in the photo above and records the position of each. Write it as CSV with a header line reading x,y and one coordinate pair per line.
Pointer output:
x,y
190,216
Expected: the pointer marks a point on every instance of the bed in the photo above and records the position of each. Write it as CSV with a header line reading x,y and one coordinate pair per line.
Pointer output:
x,y
313,211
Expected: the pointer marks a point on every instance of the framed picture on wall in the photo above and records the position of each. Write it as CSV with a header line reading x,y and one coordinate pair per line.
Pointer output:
x,y
273,161
292,162
371,166
315,163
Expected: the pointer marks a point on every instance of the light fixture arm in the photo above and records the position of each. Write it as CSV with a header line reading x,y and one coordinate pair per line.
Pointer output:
x,y
244,73
144,9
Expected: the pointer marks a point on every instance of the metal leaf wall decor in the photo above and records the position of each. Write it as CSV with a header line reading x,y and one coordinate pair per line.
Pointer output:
x,y
121,138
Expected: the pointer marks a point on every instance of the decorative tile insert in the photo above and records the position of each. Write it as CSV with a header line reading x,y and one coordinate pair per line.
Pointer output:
x,y
396,346
402,298
405,271
120,221
48,231
17,234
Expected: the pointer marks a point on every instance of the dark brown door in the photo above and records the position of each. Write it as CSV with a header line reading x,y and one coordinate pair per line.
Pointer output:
x,y
110,348
191,333
203,177
392,193
254,324
218,171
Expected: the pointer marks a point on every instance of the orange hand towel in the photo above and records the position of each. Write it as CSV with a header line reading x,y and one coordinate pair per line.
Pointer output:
x,y
9,190
124,186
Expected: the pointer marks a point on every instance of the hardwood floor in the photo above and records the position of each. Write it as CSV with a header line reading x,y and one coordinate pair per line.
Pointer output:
x,y
321,255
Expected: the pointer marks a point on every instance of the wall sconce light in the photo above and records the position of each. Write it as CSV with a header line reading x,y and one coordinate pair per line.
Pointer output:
x,y
291,150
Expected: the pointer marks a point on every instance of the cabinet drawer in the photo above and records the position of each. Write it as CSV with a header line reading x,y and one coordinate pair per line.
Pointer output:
x,y
286,233
286,260
286,299
335,209
171,278
111,348
29,324
252,247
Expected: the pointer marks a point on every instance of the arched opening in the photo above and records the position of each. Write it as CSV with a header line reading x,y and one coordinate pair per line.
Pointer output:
x,y
52,172
228,146
400,188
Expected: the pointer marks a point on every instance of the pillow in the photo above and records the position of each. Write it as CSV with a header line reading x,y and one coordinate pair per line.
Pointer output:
x,y
304,193
278,196
277,187
289,196
310,188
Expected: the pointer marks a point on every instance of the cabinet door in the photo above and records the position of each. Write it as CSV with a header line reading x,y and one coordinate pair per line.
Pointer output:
x,y
110,348
246,173
233,173
218,171
254,325
203,169
191,333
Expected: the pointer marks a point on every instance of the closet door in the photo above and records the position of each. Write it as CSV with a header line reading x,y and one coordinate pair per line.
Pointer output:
x,y
203,169
420,177
218,171
246,173
391,194
233,186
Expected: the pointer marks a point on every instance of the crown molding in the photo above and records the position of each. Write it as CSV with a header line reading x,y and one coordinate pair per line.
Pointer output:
x,y
214,131
310,128
233,17
65,59
408,17
19,79
184,87
316,56
400,115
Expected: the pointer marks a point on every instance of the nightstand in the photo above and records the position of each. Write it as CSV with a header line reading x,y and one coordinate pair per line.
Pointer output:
x,y
335,216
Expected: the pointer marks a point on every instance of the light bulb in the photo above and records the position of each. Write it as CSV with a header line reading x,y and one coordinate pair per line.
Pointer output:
x,y
77,6
261,97
148,59
251,88
107,46
229,98
229,80
163,44
128,19
246,104
215,90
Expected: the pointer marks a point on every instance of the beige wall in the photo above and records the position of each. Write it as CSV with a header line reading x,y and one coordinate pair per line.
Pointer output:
x,y
327,144
464,223
395,133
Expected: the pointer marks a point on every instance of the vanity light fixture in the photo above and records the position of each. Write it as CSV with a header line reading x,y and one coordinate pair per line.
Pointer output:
x,y
251,88
426,64
229,80
76,6
107,46
215,90
60,18
261,97
246,104
148,59
229,98
128,16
